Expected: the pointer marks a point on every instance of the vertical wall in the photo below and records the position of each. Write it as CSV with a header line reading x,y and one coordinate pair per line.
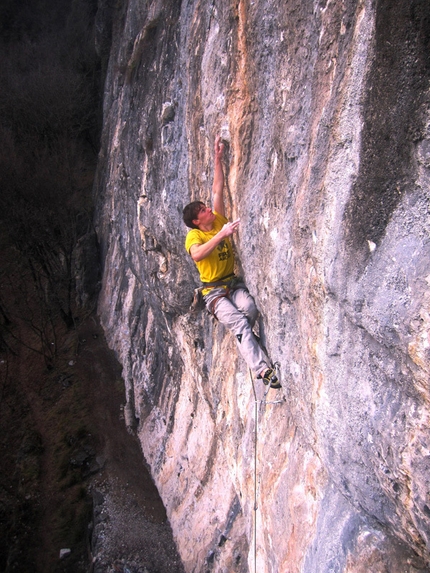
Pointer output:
x,y
325,107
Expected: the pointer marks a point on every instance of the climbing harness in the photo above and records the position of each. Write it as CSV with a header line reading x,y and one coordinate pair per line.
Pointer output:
x,y
263,404
198,302
222,281
216,299
229,286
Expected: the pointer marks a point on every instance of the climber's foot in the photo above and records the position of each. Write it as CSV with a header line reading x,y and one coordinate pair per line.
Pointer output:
x,y
269,378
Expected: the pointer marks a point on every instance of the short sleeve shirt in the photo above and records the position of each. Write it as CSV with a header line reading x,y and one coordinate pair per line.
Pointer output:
x,y
220,262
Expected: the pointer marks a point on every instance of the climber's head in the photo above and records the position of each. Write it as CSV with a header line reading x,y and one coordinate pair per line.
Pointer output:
x,y
192,212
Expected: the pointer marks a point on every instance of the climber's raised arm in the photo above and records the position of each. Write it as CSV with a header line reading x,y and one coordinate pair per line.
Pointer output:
x,y
218,182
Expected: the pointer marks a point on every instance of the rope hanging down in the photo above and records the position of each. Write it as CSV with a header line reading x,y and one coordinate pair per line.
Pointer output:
x,y
256,487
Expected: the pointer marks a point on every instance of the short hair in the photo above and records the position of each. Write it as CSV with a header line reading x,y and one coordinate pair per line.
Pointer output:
x,y
191,212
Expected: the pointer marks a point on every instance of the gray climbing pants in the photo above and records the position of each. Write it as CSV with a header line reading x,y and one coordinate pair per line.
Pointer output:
x,y
238,313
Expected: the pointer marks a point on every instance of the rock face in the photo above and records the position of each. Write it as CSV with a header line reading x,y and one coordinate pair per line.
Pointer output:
x,y
326,110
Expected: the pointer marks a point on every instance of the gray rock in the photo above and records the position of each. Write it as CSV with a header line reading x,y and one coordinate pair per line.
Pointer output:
x,y
325,110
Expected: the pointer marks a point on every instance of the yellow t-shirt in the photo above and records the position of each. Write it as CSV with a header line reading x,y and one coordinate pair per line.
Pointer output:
x,y
220,262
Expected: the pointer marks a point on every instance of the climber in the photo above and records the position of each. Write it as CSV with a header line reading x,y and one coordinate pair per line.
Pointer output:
x,y
225,295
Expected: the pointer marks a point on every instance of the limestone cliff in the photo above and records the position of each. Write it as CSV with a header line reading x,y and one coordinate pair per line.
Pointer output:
x,y
325,106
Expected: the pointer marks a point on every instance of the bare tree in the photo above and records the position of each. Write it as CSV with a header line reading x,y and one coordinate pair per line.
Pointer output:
x,y
48,127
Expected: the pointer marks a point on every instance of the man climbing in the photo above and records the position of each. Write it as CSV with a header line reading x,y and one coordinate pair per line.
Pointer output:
x,y
226,296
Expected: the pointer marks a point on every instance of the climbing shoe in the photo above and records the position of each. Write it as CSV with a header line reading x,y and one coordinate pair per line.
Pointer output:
x,y
269,378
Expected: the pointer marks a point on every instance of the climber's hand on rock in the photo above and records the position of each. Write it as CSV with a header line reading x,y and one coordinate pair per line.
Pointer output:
x,y
230,227
200,252
219,148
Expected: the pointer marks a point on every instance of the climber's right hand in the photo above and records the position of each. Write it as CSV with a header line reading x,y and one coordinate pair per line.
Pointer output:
x,y
230,227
